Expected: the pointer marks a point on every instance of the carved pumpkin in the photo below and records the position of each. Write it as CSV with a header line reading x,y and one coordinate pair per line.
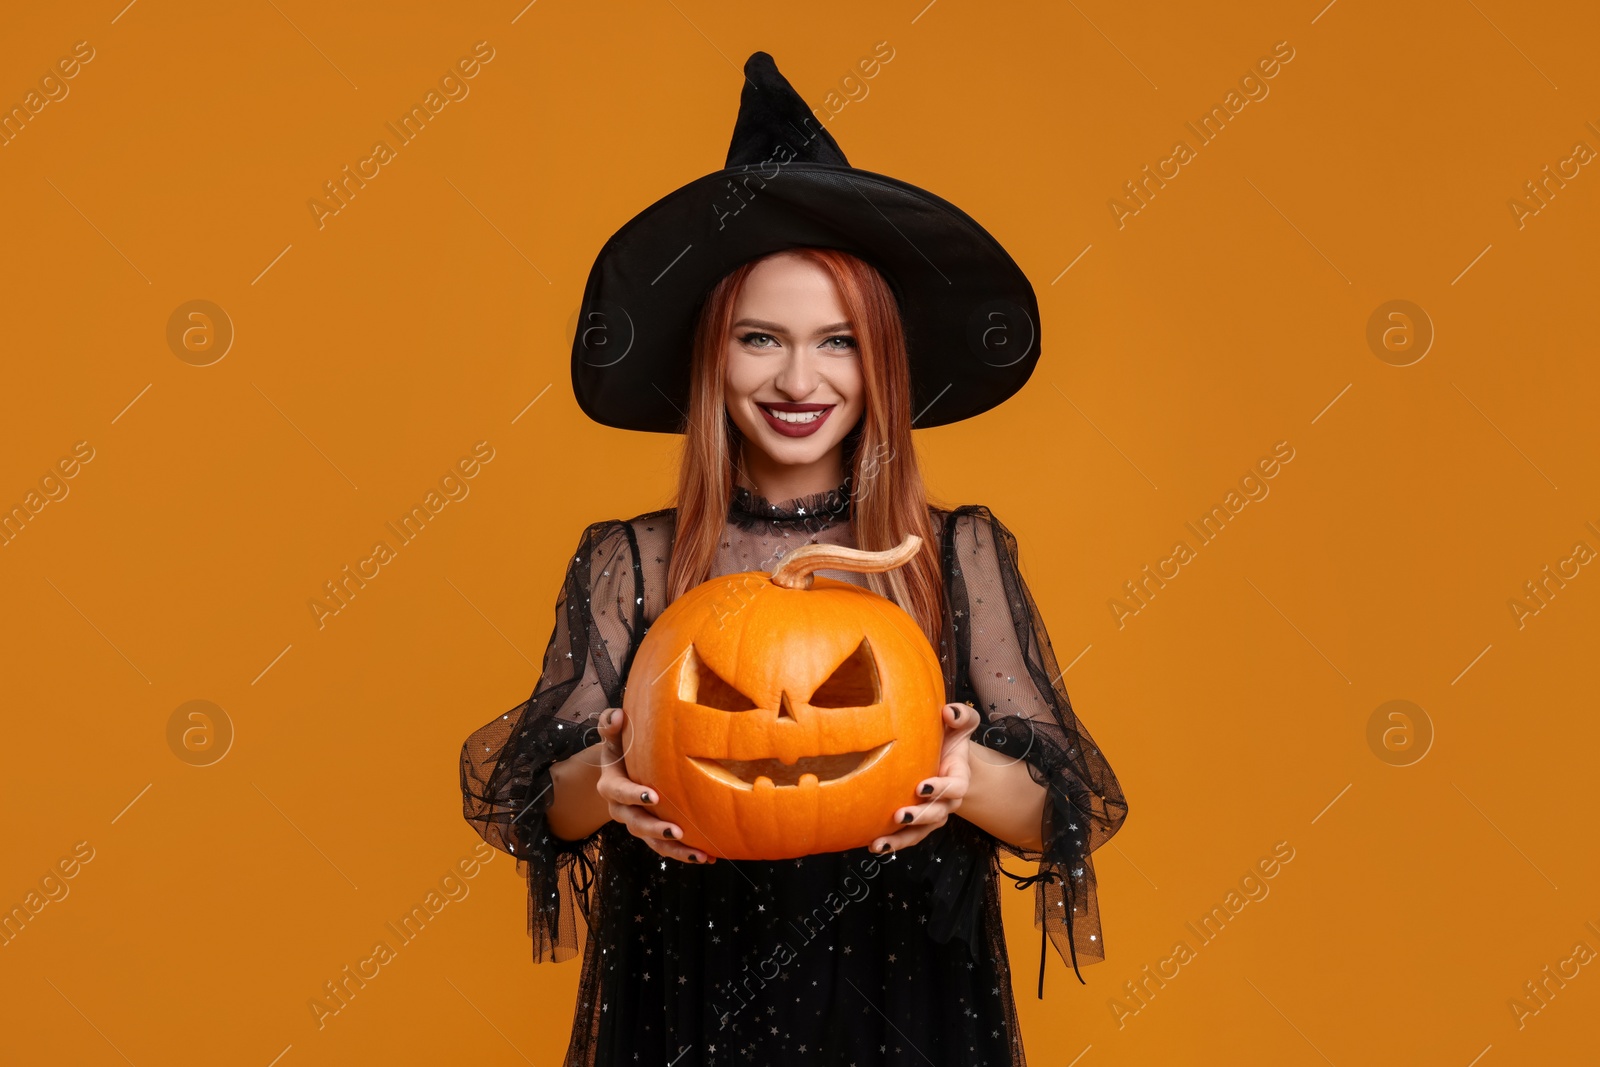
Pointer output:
x,y
787,714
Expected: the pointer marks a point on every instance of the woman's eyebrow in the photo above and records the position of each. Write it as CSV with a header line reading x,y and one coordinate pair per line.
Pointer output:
x,y
760,324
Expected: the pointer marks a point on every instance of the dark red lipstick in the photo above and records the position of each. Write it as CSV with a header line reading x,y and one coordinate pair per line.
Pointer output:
x,y
794,429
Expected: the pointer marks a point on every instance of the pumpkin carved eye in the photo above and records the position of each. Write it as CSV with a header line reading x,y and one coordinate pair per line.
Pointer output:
x,y
699,684
853,683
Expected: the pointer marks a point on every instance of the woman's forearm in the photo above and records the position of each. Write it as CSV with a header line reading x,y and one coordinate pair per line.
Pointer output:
x,y
576,808
1003,799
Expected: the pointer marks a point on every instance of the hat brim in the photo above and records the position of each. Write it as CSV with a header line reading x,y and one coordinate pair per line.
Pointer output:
x,y
970,314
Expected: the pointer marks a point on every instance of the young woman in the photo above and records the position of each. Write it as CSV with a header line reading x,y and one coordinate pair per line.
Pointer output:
x,y
796,406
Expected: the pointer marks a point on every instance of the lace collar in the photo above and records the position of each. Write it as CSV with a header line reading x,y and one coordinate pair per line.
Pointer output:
x,y
824,507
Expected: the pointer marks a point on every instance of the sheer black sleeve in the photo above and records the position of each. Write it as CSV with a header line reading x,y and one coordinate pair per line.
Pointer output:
x,y
1010,674
505,764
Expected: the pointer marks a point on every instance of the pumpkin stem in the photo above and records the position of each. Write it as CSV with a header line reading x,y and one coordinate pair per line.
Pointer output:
x,y
794,571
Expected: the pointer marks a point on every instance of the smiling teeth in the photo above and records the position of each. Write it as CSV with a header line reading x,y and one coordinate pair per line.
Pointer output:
x,y
795,416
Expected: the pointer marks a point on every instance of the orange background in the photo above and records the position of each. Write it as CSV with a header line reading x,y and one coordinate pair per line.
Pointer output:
x,y
1227,315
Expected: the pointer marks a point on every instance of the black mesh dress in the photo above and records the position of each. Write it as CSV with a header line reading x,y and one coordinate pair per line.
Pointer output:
x,y
840,958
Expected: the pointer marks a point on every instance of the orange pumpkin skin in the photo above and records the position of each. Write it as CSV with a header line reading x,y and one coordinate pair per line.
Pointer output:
x,y
830,671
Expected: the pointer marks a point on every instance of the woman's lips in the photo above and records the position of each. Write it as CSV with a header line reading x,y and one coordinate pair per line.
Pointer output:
x,y
796,429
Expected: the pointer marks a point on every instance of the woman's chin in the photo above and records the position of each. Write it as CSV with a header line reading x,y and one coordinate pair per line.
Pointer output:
x,y
790,458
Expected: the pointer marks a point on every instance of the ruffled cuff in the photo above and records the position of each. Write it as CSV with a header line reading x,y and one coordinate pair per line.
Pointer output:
x,y
1065,908
510,808
560,875
953,867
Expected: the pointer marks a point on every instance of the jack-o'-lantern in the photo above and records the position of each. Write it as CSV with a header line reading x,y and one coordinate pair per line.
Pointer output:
x,y
785,714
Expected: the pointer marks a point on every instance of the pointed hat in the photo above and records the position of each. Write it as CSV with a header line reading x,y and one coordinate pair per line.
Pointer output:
x,y
970,314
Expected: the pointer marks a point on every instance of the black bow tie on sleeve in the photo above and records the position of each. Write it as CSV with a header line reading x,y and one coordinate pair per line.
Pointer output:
x,y
1023,882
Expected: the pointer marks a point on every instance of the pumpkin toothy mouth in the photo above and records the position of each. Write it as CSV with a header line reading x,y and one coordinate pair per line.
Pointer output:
x,y
744,773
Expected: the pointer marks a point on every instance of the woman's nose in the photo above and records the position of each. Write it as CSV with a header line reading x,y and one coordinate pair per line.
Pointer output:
x,y
798,378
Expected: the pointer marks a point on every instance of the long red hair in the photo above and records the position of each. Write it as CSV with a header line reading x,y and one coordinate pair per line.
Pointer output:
x,y
888,499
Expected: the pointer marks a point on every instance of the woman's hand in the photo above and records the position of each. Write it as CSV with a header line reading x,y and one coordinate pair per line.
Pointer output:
x,y
630,803
944,792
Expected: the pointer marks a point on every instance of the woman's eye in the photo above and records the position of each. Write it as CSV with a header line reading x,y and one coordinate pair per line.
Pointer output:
x,y
751,338
849,343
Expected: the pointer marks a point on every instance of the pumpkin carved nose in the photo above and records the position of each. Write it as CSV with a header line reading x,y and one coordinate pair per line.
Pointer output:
x,y
784,711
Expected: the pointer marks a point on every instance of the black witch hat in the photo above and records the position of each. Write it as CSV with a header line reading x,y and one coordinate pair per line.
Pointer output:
x,y
971,318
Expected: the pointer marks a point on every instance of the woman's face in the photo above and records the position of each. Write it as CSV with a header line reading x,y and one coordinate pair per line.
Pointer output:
x,y
791,352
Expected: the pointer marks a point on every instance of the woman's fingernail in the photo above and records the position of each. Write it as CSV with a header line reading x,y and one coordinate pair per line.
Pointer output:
x,y
667,832
927,789
645,796
906,817
693,858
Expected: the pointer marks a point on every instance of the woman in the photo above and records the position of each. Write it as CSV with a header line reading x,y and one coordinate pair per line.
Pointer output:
x,y
796,407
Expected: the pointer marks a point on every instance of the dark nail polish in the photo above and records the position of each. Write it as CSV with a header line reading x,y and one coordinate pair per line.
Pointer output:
x,y
645,796
927,789
693,858
667,832
906,817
